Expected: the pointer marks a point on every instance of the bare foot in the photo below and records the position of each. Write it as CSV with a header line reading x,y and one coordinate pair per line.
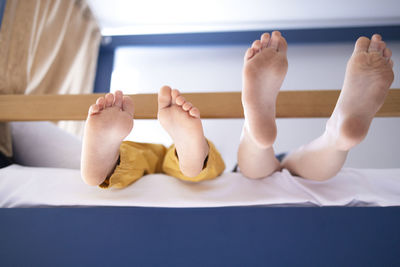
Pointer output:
x,y
368,77
109,121
182,122
264,69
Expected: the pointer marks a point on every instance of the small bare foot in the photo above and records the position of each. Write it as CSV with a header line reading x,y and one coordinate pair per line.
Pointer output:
x,y
265,67
182,122
368,77
109,121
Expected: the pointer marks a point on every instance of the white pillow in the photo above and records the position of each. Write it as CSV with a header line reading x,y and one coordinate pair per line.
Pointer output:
x,y
43,144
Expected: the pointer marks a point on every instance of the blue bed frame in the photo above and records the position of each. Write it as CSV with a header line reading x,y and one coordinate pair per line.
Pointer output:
x,y
236,236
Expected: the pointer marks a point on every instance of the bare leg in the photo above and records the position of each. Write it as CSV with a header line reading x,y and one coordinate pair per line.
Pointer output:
x,y
109,121
368,77
265,67
182,122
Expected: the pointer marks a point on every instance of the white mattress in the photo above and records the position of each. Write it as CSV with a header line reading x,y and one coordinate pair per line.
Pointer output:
x,y
34,187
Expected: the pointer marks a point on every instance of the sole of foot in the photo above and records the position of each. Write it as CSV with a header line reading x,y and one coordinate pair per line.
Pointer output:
x,y
109,121
182,122
265,67
368,77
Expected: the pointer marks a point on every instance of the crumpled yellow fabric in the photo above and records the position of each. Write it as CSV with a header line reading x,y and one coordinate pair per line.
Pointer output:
x,y
139,159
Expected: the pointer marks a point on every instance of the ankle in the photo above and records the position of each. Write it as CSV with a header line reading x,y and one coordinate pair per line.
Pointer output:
x,y
192,165
345,134
263,141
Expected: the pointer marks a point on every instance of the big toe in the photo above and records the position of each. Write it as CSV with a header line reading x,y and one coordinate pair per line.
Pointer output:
x,y
362,44
127,105
283,46
164,97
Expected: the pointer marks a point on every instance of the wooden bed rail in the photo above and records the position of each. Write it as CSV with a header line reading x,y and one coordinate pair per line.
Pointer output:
x,y
290,104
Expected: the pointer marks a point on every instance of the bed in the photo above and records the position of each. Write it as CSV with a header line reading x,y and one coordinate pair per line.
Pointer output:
x,y
282,220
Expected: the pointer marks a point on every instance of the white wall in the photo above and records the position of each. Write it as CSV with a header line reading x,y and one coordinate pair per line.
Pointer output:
x,y
209,68
129,17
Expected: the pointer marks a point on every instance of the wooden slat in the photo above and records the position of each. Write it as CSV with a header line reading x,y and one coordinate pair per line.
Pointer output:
x,y
290,104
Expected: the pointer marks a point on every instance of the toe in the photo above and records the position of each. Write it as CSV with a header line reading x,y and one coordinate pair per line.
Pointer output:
x,y
381,47
249,53
118,98
274,43
375,44
101,102
180,100
127,105
282,45
256,45
175,93
377,47
93,109
164,97
109,100
186,106
387,53
265,39
376,37
195,112
362,44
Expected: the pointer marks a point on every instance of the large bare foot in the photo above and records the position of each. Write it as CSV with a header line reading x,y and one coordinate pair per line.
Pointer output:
x,y
264,70
368,77
109,121
182,122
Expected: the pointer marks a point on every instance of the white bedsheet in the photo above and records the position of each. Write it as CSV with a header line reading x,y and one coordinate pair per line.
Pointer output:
x,y
31,187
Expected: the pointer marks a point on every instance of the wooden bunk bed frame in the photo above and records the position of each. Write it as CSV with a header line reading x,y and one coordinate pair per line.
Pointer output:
x,y
290,104
231,236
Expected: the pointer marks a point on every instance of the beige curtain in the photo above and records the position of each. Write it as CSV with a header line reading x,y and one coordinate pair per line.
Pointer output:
x,y
47,47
